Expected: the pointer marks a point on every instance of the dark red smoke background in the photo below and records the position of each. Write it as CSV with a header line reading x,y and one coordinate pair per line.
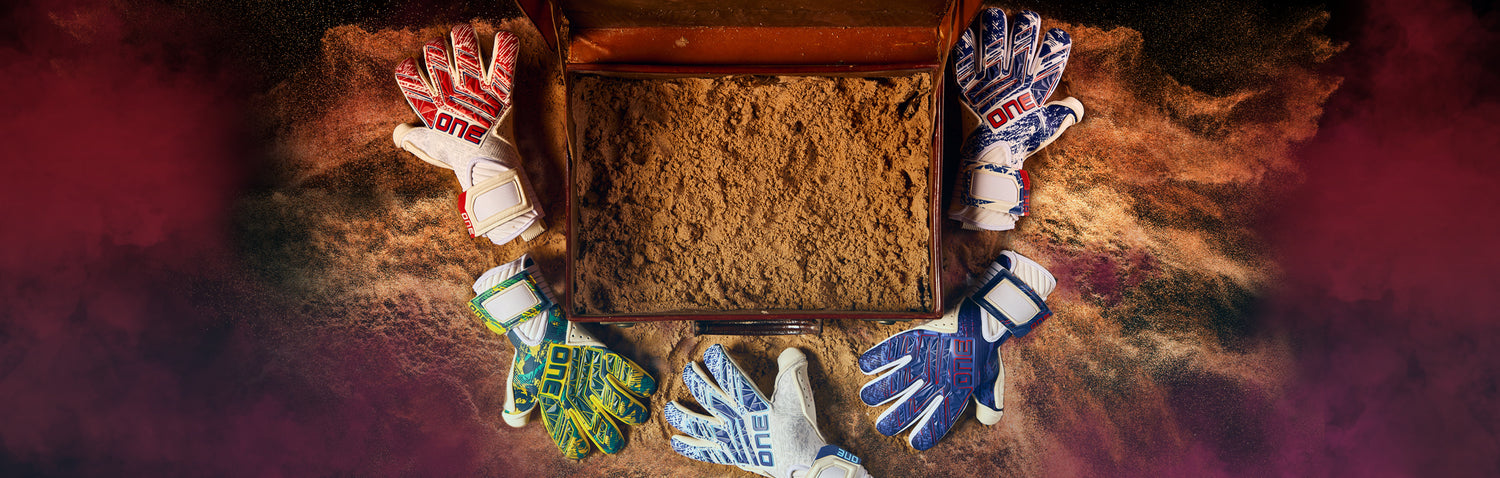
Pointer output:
x,y
1388,248
132,339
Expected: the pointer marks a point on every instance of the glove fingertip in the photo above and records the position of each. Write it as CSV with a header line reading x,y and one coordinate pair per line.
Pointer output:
x,y
988,416
1060,36
517,419
672,413
869,364
993,19
401,132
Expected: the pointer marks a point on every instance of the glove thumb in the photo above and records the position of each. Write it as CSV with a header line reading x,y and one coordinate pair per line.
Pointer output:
x,y
518,402
991,406
1057,117
431,146
793,392
1069,111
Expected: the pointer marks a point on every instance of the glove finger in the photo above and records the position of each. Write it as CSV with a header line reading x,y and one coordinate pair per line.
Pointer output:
x,y
700,450
707,394
620,403
935,421
909,406
732,380
697,425
629,375
419,94
502,67
564,430
1023,36
880,356
964,64
600,429
468,71
994,56
1051,60
886,387
440,77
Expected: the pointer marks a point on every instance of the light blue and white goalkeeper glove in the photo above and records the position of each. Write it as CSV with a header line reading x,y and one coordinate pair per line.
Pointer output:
x,y
777,438
1004,76
932,370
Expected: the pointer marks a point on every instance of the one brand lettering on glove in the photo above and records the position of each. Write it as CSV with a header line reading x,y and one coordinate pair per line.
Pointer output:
x,y
760,424
460,129
558,361
1010,110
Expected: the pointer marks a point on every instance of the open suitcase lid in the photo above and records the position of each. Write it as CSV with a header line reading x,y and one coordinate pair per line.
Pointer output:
x,y
751,32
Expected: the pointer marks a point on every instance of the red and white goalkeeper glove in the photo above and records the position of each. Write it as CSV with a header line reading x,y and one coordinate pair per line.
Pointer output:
x,y
465,105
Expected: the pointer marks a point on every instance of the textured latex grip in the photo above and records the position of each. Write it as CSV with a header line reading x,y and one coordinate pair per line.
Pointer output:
x,y
512,301
493,202
1008,299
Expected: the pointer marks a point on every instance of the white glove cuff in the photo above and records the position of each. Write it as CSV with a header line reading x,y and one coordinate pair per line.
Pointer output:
x,y
1014,296
512,294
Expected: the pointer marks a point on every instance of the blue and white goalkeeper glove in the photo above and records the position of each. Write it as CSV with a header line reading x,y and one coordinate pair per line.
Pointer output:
x,y
777,438
932,370
1004,76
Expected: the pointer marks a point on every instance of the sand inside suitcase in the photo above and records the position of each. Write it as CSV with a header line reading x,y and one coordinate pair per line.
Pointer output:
x,y
752,193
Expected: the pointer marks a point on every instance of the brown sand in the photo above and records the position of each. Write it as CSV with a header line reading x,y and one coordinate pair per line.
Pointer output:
x,y
752,192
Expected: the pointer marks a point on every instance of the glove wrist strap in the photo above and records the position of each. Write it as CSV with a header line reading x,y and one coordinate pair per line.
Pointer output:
x,y
512,301
996,188
835,462
1010,300
493,202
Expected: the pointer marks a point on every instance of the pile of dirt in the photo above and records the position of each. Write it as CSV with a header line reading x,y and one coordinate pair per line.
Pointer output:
x,y
752,193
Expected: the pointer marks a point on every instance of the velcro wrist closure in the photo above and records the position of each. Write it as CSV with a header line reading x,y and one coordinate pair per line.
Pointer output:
x,y
835,462
512,301
995,188
493,202
1010,300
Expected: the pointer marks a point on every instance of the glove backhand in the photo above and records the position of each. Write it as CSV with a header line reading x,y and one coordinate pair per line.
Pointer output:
x,y
1003,76
583,388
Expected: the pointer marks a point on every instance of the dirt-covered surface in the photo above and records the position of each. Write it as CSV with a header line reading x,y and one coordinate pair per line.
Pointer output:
x,y
1140,211
215,262
752,193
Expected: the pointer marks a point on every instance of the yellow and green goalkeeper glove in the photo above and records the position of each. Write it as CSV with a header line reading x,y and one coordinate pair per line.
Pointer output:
x,y
583,388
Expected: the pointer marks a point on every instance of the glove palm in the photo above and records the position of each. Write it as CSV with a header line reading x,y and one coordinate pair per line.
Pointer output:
x,y
932,370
